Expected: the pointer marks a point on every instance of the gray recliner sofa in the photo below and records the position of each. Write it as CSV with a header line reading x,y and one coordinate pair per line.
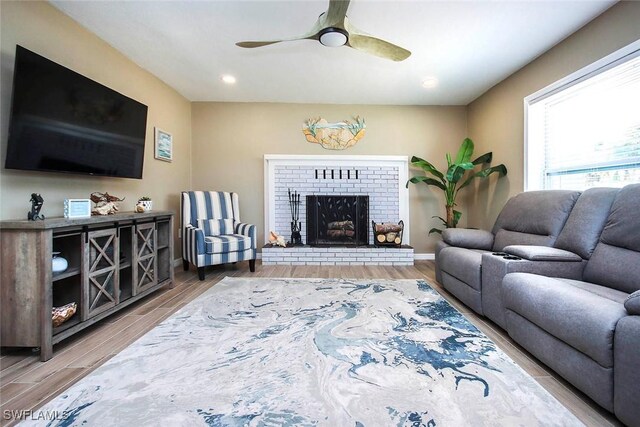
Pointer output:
x,y
566,258
590,244
532,218
587,328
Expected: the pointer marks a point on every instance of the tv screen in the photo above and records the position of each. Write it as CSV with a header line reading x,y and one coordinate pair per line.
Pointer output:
x,y
62,121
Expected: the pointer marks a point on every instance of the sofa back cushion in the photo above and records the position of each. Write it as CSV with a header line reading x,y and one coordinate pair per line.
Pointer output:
x,y
615,262
533,218
587,219
209,205
216,227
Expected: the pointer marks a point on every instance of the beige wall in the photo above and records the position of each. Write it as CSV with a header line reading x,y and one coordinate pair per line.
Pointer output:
x,y
221,145
43,29
230,139
496,119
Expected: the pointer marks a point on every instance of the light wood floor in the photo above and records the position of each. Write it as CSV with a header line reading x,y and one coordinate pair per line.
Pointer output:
x,y
26,383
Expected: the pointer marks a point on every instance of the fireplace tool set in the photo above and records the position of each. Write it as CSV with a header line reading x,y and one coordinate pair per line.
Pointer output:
x,y
296,226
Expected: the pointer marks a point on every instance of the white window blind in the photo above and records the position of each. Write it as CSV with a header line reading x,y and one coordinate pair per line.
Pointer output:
x,y
587,134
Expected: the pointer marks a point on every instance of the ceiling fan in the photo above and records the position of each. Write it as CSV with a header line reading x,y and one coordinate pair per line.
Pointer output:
x,y
334,29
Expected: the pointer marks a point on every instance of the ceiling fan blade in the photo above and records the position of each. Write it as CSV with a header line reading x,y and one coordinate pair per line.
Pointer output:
x,y
378,47
335,15
362,41
251,44
257,44
311,34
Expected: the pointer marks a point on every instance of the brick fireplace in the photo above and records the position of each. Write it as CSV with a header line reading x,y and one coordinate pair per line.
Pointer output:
x,y
381,178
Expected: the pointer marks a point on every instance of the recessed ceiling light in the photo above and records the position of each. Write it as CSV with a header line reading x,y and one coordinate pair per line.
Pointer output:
x,y
429,82
228,79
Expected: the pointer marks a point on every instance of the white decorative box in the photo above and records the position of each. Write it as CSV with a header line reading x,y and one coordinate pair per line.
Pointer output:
x,y
77,208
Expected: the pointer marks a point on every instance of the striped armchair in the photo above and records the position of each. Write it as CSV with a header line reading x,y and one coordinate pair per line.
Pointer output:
x,y
212,232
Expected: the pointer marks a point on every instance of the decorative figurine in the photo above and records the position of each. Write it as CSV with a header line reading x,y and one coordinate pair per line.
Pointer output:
x,y
36,204
140,208
296,226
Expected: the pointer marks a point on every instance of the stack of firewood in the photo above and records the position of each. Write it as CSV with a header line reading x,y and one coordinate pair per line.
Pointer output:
x,y
388,233
340,229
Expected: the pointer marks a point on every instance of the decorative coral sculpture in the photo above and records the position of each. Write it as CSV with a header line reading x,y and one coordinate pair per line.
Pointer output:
x,y
105,203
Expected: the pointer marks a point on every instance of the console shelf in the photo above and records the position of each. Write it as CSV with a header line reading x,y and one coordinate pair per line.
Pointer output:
x,y
113,260
69,272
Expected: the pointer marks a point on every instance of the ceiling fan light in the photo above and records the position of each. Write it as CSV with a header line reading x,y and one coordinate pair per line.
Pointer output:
x,y
333,37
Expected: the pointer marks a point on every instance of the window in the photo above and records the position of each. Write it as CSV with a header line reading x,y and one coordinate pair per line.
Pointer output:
x,y
584,131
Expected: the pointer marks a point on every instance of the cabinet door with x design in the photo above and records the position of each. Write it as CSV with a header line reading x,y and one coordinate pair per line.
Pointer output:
x,y
101,251
146,261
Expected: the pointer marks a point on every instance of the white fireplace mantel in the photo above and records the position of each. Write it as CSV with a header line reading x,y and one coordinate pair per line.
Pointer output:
x,y
273,161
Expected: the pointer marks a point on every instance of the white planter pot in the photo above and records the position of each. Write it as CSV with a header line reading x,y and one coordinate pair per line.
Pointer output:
x,y
147,204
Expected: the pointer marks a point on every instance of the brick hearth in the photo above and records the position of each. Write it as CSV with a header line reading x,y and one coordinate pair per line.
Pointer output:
x,y
337,255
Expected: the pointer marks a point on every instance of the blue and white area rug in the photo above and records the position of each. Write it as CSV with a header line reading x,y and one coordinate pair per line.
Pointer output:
x,y
307,352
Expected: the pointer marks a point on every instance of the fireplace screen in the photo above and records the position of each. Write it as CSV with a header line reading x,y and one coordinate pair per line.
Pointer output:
x,y
338,220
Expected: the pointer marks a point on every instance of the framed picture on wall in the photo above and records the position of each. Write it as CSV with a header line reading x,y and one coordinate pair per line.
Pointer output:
x,y
164,145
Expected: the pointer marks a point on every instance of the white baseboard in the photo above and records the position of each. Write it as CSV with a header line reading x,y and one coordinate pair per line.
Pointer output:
x,y
178,261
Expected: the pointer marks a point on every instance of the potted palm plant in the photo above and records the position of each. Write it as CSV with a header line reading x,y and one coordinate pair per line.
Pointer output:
x,y
451,181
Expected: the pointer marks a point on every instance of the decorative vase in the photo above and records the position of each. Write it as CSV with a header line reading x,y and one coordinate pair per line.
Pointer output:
x,y
59,264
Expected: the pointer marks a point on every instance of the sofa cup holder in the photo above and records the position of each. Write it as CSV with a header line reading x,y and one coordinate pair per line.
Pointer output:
x,y
507,256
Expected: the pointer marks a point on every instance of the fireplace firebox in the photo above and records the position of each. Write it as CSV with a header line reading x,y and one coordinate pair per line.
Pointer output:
x,y
338,220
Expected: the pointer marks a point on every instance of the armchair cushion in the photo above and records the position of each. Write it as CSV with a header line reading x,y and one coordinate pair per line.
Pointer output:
x,y
541,253
216,227
227,243
463,264
632,303
616,260
580,314
588,217
468,238
533,218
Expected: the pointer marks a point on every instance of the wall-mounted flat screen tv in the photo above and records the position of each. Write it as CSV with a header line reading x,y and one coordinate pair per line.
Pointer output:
x,y
62,121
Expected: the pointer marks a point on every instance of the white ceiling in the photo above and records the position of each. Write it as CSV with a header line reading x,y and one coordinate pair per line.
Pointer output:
x,y
468,46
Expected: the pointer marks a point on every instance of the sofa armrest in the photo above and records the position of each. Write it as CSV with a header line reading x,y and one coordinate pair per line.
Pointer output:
x,y
542,253
626,370
192,243
248,230
495,267
632,303
468,238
